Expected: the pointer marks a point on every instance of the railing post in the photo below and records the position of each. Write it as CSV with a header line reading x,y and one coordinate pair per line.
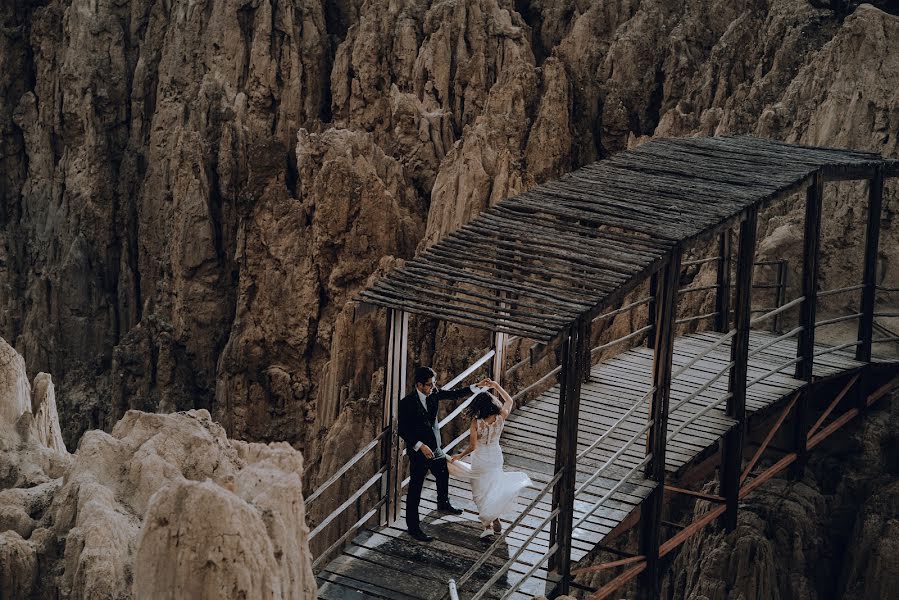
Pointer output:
x,y
732,444
869,273
663,351
651,310
814,200
394,389
498,366
722,294
573,347
781,296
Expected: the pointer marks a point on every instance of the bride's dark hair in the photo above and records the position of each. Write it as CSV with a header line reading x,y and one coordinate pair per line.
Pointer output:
x,y
481,407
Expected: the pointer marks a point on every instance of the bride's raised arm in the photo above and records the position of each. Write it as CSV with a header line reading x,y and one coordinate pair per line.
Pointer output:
x,y
508,403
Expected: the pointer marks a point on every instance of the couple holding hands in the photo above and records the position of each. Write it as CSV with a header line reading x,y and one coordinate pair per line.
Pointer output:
x,y
493,490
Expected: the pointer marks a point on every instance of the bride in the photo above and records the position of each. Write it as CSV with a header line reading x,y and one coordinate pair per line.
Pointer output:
x,y
493,489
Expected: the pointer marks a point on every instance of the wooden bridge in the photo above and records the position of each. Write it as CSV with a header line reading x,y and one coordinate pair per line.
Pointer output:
x,y
613,429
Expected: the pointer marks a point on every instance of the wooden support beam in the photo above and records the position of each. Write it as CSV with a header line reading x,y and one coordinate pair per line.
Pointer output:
x,y
574,345
831,406
651,312
497,366
869,271
722,295
394,389
663,351
732,445
771,433
695,494
814,200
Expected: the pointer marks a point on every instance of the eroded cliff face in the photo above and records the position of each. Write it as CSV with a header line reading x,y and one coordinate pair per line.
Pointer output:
x,y
193,191
831,535
163,506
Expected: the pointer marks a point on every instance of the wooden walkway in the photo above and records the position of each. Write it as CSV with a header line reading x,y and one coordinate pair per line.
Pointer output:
x,y
386,563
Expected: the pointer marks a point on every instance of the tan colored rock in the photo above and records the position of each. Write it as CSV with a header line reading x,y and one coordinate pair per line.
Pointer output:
x,y
18,566
15,393
46,417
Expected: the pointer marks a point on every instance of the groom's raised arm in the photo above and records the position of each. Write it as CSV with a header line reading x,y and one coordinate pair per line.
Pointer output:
x,y
456,393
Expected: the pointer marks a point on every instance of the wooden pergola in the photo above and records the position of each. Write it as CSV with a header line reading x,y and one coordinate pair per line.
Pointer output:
x,y
542,265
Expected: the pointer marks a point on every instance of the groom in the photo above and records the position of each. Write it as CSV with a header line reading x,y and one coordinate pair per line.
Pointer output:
x,y
418,427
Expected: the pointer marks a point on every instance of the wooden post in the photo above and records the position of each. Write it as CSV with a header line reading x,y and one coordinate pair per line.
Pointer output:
x,y
869,273
806,346
722,294
498,366
663,350
651,311
573,347
732,444
587,355
394,389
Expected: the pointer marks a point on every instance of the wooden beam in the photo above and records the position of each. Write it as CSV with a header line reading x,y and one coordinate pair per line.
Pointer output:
x,y
394,389
732,445
663,351
771,433
869,271
814,200
695,494
831,406
574,345
722,295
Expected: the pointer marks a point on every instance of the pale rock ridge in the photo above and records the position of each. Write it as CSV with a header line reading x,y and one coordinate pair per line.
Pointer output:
x,y
100,523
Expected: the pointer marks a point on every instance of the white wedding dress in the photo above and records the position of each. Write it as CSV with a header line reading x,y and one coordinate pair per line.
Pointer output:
x,y
494,490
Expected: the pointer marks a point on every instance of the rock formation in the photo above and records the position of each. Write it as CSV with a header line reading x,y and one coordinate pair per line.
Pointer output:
x,y
166,506
191,193
831,535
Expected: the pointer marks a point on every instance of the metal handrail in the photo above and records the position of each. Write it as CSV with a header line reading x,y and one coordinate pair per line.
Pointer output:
x,y
837,319
886,315
695,417
699,288
508,564
346,467
474,367
614,489
884,288
356,495
696,318
770,372
615,425
700,261
837,348
894,338
536,383
701,388
848,288
612,459
625,338
768,315
704,353
530,571
624,308
343,538
453,592
498,541
780,338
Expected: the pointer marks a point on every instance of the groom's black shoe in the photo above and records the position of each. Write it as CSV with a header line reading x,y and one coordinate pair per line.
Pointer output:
x,y
448,509
420,535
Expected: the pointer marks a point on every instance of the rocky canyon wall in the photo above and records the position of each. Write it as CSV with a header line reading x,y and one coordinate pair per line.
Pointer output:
x,y
193,191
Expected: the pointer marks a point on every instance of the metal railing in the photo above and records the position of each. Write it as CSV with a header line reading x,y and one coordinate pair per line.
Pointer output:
x,y
355,497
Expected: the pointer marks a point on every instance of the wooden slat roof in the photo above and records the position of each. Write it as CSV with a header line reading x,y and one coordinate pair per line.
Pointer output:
x,y
574,246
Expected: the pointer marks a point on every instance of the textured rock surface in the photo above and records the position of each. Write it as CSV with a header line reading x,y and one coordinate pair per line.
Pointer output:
x,y
192,193
103,522
832,535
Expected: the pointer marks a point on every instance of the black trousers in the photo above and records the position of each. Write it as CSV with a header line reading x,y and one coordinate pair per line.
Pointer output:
x,y
418,468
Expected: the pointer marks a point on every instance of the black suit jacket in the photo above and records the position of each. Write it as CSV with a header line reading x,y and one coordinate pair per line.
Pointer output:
x,y
419,425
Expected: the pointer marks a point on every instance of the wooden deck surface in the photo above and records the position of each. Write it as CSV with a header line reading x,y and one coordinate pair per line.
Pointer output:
x,y
386,563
